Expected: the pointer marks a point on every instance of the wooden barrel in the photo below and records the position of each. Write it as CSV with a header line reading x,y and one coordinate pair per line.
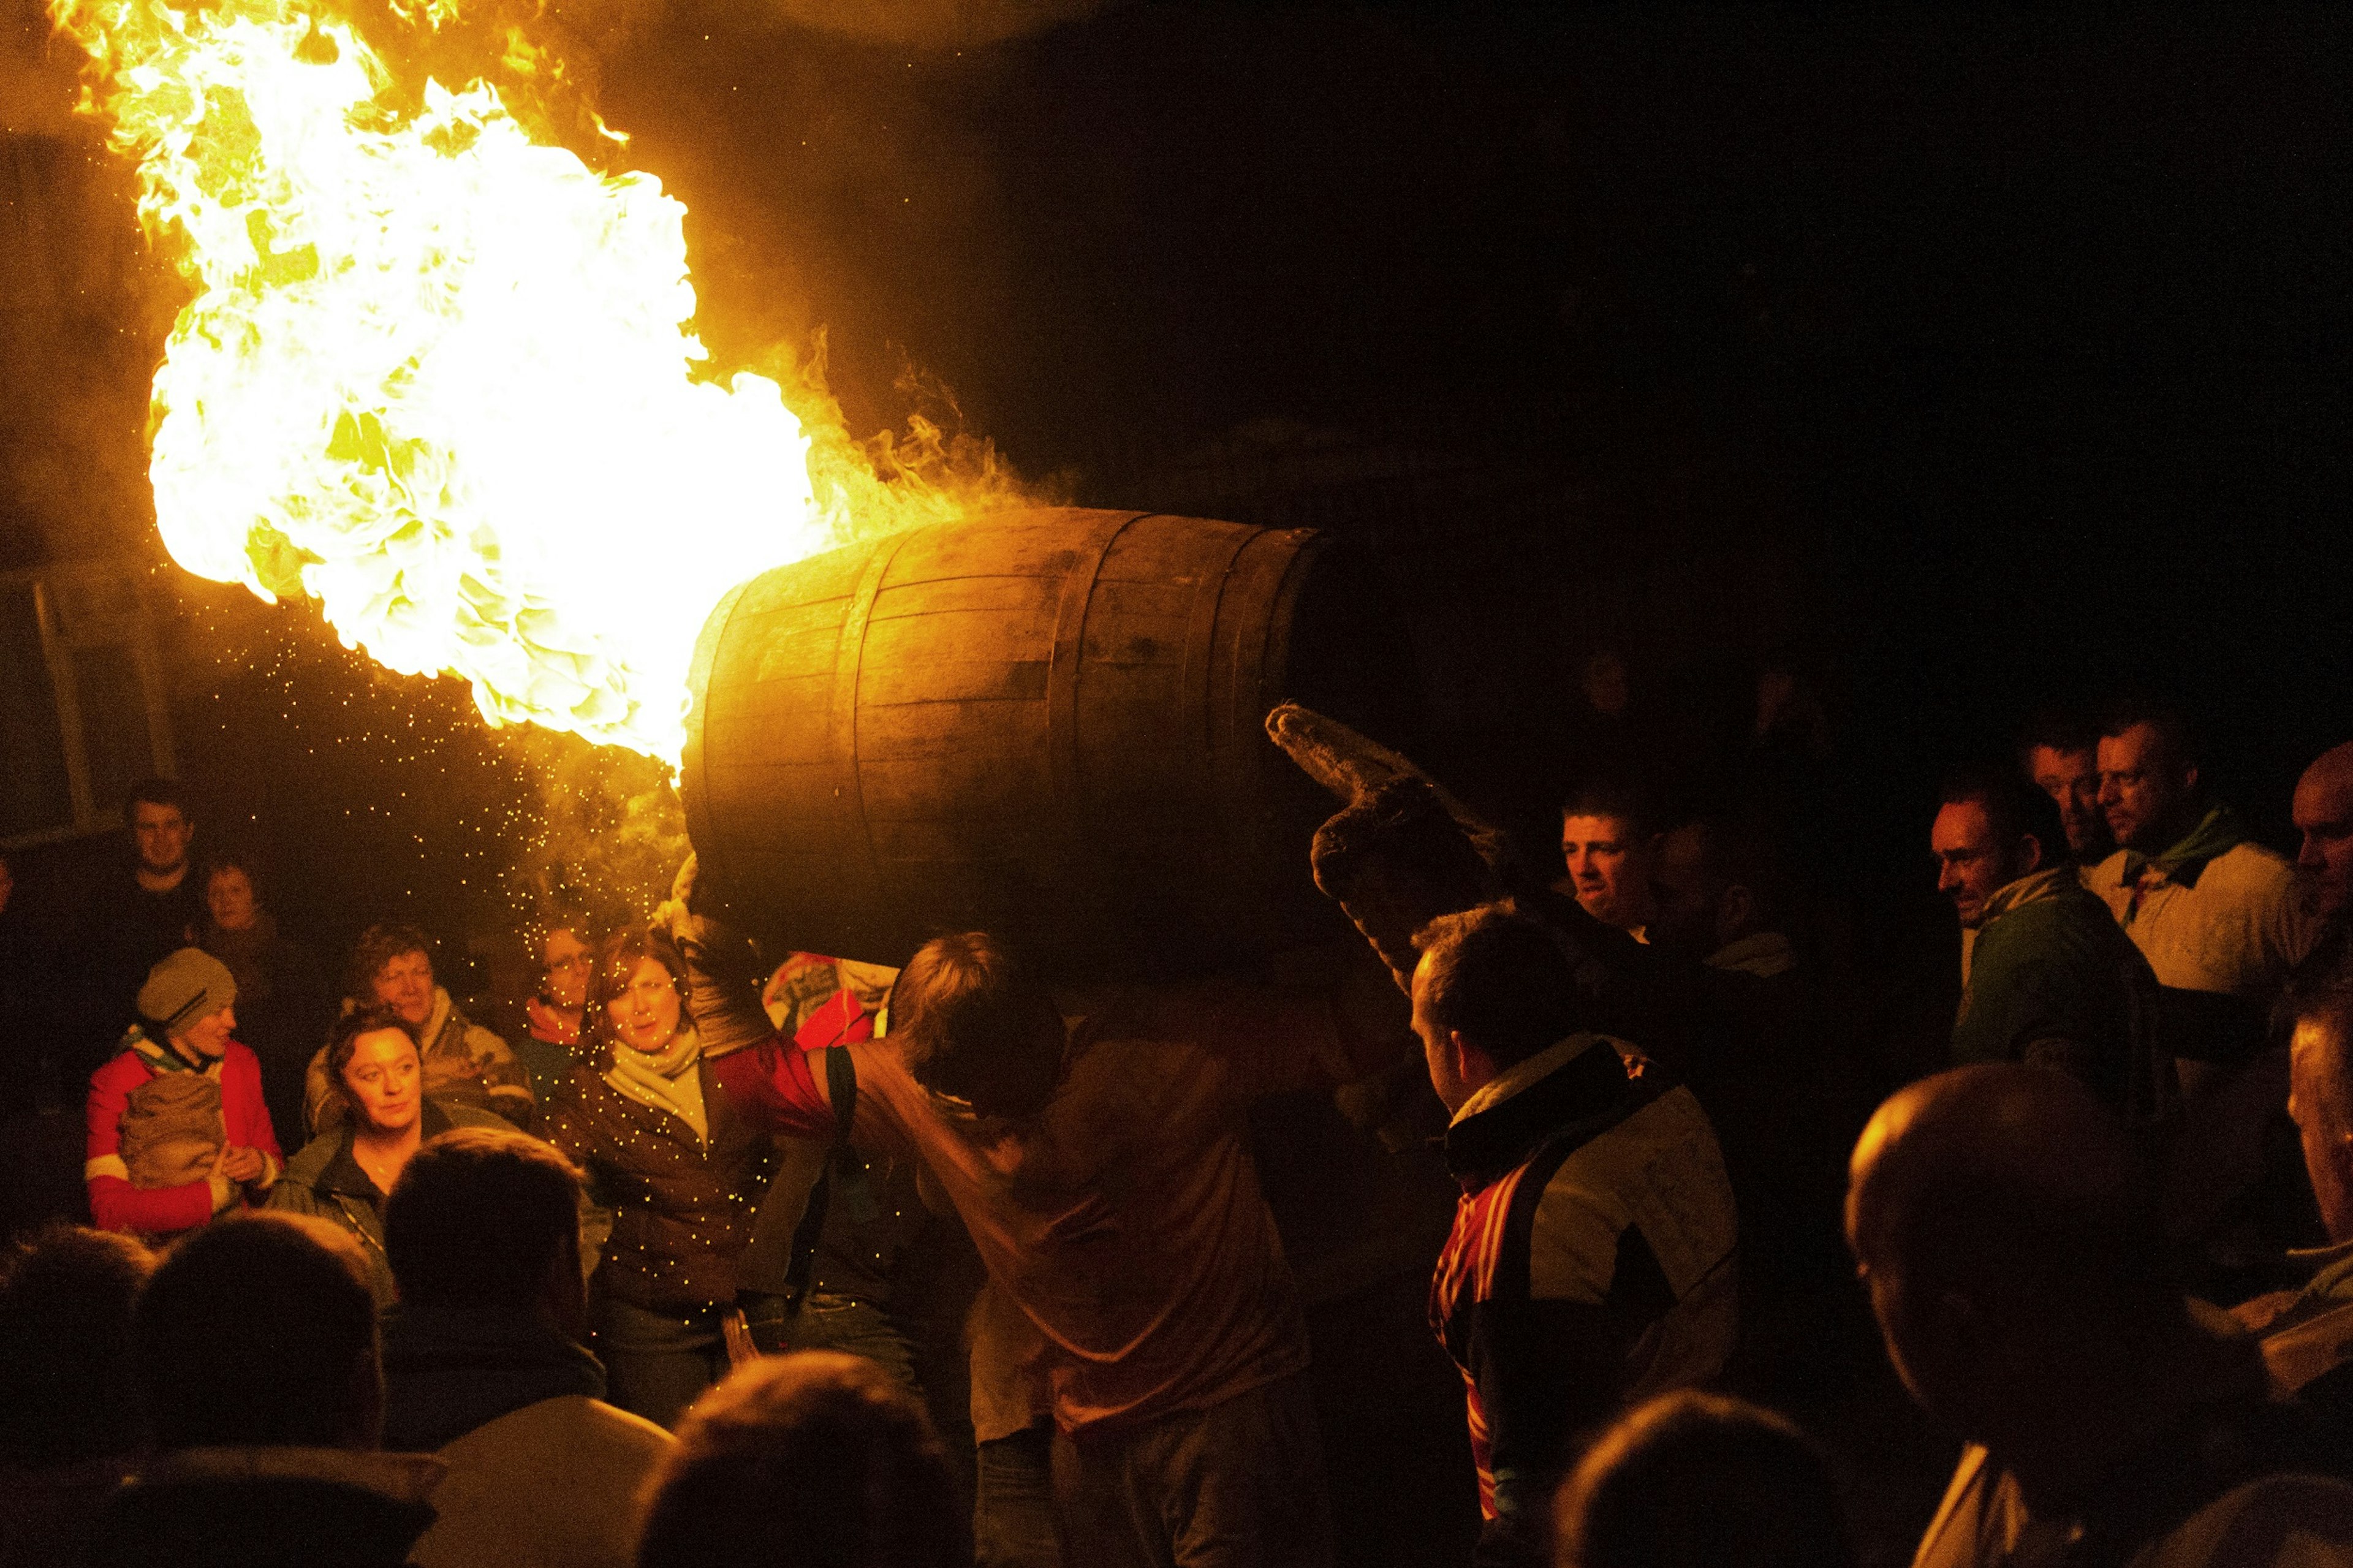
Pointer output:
x,y
1046,723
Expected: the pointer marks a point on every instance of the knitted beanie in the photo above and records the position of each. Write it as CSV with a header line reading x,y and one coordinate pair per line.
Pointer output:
x,y
189,985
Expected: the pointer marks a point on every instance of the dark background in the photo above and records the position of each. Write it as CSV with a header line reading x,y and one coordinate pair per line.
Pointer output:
x,y
1965,359
1971,357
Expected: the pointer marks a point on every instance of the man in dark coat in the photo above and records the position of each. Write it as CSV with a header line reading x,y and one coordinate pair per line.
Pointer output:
x,y
2051,980
254,1348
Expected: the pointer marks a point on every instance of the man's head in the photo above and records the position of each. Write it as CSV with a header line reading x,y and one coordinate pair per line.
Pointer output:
x,y
1491,989
259,1332
1605,841
488,1223
2005,1228
186,1000
1692,1478
1715,881
2148,775
1602,681
65,1346
976,1024
393,965
2320,1101
160,826
2061,754
1992,828
2322,810
812,1460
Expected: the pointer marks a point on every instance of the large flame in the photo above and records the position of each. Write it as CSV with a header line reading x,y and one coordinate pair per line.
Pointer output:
x,y
435,374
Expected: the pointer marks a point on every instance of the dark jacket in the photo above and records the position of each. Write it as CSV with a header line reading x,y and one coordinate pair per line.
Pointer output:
x,y
325,1180
682,1211
447,1372
1591,1265
2054,981
283,1008
268,1507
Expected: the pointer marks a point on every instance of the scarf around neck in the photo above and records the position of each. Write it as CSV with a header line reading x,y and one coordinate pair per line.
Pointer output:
x,y
2217,832
2034,888
161,1058
666,1079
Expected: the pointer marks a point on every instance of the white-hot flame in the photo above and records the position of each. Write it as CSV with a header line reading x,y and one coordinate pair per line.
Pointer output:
x,y
436,375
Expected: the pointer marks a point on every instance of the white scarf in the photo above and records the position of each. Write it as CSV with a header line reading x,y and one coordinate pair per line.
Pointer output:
x,y
667,1079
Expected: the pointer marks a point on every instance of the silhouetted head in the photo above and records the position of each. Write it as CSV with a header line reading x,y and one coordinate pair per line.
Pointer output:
x,y
2006,1229
65,1392
1690,1478
812,1460
976,1024
260,1331
487,1221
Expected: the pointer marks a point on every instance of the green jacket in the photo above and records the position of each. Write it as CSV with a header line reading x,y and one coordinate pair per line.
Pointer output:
x,y
326,1181
2054,981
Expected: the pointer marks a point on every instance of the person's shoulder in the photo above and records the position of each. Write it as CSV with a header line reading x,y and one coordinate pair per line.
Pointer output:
x,y
2275,1522
2105,875
307,1164
123,1071
571,1427
461,1114
2252,866
240,1057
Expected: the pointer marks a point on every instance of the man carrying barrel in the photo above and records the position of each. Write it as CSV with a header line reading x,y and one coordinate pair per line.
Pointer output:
x,y
1099,1162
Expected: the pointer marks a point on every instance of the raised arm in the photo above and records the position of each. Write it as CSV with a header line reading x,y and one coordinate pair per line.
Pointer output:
x,y
767,1077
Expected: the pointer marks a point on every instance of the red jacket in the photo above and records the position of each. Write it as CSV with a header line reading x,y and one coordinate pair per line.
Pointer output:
x,y
114,1203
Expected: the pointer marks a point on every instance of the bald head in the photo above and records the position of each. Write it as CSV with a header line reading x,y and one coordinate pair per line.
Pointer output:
x,y
2320,1102
2006,1231
1997,1180
2323,809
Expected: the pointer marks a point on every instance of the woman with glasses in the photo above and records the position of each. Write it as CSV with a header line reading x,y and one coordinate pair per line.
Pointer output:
x,y
554,1013
682,1172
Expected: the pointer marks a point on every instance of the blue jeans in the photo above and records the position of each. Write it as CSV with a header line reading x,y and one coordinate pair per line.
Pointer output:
x,y
829,1322
657,1364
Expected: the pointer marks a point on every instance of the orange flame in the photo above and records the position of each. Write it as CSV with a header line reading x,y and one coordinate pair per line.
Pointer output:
x,y
436,375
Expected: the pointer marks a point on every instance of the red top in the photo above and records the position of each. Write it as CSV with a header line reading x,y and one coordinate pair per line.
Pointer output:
x,y
114,1203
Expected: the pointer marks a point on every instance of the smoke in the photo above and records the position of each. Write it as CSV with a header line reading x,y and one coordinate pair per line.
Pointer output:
x,y
604,834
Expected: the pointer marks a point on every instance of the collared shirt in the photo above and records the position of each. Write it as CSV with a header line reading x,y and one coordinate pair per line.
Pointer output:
x,y
1763,953
2232,924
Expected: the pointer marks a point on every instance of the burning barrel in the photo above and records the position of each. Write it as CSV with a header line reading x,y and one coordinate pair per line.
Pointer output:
x,y
1047,724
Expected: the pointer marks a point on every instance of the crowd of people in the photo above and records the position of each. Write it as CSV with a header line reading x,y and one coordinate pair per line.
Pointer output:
x,y
643,1278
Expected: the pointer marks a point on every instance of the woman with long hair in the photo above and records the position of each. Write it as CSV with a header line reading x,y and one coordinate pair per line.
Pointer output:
x,y
682,1172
